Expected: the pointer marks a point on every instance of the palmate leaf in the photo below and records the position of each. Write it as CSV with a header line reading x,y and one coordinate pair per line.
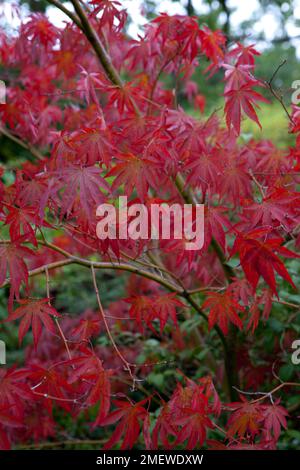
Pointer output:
x,y
35,313
135,173
258,257
145,309
223,310
194,427
243,99
95,144
51,383
274,419
89,367
246,418
82,184
12,261
13,389
130,417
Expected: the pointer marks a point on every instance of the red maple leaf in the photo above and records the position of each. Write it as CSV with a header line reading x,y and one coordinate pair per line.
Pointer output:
x,y
246,418
86,328
258,258
135,173
82,185
164,428
12,260
95,144
223,309
130,416
89,367
194,424
34,313
51,385
146,309
242,99
212,43
13,390
274,419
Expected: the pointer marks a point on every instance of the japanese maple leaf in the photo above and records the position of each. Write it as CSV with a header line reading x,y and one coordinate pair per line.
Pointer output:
x,y
212,43
274,419
254,311
210,392
13,390
95,144
164,428
202,168
86,329
223,309
245,54
162,307
194,426
50,384
234,183
89,367
135,173
190,38
34,313
7,419
110,11
258,257
124,98
246,418
40,29
83,184
280,207
130,416
237,76
140,309
100,394
242,99
12,260
214,226
20,221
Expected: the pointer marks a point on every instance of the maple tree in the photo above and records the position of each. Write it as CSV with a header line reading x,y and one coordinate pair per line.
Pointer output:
x,y
91,109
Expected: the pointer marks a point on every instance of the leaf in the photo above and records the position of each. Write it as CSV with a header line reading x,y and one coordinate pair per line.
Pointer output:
x,y
135,173
35,313
86,329
280,208
223,309
95,144
164,307
20,221
258,257
146,309
246,418
12,260
82,185
9,420
109,12
194,426
52,386
164,427
274,419
13,391
242,99
130,417
212,43
90,368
